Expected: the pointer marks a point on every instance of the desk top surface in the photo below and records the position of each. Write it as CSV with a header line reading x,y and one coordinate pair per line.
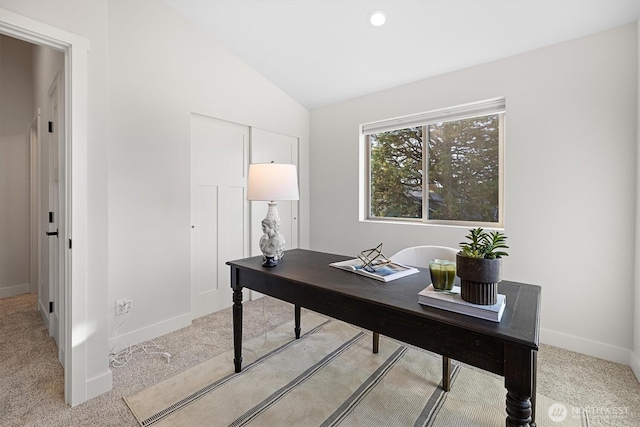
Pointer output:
x,y
520,322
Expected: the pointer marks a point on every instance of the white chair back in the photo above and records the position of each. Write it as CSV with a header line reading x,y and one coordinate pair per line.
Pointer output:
x,y
419,256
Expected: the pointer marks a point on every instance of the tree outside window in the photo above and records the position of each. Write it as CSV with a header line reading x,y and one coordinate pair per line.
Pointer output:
x,y
461,182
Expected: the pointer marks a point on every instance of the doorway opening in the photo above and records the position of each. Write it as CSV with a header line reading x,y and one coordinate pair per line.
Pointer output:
x,y
30,158
72,141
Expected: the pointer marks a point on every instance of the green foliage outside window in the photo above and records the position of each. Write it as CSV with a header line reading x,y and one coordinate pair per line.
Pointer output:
x,y
463,171
396,173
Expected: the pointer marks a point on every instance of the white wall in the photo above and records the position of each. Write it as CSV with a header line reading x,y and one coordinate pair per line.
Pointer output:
x,y
570,179
162,69
15,120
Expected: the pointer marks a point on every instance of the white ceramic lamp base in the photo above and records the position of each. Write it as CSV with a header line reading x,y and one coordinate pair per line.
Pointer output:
x,y
272,242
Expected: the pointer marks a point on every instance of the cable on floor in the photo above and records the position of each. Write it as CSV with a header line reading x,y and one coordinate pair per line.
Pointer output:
x,y
121,358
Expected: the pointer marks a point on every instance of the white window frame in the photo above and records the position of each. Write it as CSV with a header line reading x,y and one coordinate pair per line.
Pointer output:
x,y
466,111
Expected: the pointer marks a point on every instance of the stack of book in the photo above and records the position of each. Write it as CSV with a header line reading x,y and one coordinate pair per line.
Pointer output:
x,y
452,301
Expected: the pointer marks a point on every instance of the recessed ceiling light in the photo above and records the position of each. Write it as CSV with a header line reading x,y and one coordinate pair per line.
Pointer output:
x,y
377,17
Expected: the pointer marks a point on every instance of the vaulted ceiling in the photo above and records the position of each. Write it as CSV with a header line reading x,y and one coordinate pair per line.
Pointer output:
x,y
322,52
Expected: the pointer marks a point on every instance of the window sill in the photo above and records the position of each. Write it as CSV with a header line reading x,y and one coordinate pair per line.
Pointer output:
x,y
447,224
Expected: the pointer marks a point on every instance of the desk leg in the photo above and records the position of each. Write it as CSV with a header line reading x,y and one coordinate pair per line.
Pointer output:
x,y
446,373
519,378
297,319
237,328
534,391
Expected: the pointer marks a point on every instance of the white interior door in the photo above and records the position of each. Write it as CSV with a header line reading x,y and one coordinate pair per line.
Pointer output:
x,y
54,212
266,147
34,202
43,241
219,210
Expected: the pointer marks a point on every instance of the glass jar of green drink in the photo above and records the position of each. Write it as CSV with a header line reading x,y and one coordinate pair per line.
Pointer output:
x,y
443,274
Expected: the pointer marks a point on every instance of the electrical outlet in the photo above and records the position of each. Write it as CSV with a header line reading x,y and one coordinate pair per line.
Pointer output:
x,y
123,306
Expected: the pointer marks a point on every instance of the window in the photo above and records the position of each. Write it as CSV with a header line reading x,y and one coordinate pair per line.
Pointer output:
x,y
442,167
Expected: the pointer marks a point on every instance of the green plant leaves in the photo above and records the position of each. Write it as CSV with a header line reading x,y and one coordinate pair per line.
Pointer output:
x,y
484,245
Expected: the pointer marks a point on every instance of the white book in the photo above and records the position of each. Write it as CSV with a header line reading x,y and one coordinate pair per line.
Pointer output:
x,y
385,272
452,301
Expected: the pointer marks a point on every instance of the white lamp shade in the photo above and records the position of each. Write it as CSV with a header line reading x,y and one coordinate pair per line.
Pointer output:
x,y
272,182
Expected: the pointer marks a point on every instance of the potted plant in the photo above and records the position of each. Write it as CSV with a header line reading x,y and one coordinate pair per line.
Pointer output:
x,y
479,266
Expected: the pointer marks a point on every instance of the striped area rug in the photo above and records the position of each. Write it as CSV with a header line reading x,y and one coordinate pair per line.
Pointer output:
x,y
330,377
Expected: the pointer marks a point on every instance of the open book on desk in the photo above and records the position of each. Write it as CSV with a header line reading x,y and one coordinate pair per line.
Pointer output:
x,y
452,301
383,271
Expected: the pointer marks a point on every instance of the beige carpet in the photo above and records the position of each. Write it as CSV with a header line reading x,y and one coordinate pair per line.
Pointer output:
x,y
330,377
31,390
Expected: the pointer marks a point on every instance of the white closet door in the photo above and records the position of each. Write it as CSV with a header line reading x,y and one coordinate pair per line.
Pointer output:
x,y
219,165
266,147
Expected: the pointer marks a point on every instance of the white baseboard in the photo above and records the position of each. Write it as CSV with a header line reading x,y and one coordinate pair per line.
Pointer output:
x,y
99,384
11,291
150,332
585,346
634,362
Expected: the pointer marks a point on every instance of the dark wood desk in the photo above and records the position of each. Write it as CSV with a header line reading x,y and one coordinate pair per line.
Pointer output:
x,y
305,279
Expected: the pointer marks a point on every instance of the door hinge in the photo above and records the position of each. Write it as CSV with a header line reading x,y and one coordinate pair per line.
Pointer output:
x,y
50,217
50,127
69,243
50,306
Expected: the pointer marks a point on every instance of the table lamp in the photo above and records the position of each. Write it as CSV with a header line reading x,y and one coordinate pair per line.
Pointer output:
x,y
272,182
